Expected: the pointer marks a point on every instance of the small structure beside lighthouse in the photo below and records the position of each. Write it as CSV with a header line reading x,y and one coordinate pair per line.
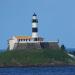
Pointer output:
x,y
31,42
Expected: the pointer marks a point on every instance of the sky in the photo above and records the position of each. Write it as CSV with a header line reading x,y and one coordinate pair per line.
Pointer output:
x,y
56,20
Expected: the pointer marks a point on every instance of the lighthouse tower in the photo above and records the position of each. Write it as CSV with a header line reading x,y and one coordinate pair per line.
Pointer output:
x,y
34,27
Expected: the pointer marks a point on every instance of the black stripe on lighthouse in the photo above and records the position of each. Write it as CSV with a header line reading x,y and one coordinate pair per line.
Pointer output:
x,y
34,29
35,20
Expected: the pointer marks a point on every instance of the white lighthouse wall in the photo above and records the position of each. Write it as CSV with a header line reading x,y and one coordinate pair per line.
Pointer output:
x,y
34,35
34,17
34,25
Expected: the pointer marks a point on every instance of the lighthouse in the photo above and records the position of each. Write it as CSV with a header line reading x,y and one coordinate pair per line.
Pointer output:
x,y
34,27
31,42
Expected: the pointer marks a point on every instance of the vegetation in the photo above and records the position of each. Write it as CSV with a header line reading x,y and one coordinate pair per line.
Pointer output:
x,y
34,57
62,47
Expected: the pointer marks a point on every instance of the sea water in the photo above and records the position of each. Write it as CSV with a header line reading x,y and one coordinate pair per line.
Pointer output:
x,y
38,71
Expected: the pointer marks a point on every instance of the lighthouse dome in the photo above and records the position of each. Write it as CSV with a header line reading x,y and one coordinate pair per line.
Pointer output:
x,y
34,14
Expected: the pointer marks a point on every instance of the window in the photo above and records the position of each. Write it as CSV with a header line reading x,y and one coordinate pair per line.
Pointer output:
x,y
19,40
26,39
35,39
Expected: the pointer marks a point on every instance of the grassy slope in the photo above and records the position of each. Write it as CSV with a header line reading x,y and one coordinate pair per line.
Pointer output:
x,y
33,57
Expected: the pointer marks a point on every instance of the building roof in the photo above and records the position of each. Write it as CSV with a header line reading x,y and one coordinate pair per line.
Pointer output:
x,y
23,37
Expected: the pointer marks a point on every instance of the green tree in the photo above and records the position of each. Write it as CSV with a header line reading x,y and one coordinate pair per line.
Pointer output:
x,y
62,47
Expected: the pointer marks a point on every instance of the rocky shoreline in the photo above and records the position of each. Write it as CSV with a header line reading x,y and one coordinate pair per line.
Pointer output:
x,y
38,65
